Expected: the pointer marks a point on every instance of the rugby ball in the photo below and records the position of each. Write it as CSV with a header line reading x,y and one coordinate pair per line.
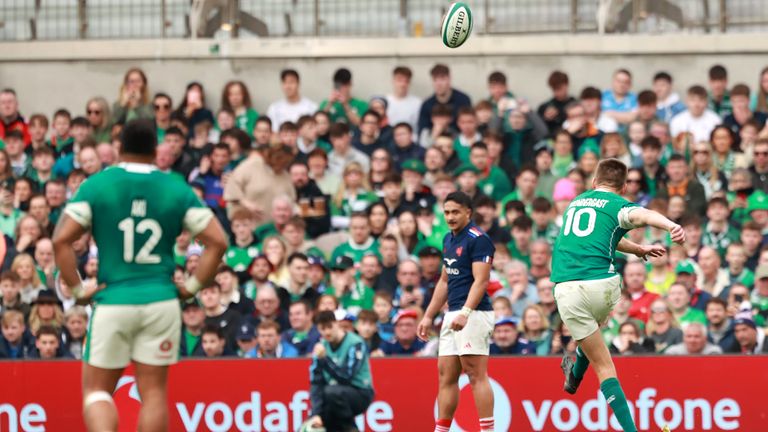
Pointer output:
x,y
457,25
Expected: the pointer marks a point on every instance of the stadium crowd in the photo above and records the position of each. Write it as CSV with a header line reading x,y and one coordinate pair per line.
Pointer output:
x,y
337,206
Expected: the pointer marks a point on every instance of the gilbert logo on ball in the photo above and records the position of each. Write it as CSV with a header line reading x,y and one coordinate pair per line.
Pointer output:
x,y
457,25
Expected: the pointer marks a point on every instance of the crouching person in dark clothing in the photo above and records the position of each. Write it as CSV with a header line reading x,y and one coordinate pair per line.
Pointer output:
x,y
340,377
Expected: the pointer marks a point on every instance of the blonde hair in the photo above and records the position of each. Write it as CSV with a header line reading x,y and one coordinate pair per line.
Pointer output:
x,y
338,199
35,322
539,310
104,107
650,328
11,316
713,171
19,260
144,88
615,137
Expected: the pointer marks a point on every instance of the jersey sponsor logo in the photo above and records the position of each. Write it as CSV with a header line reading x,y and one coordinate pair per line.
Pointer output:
x,y
452,271
449,261
166,345
459,250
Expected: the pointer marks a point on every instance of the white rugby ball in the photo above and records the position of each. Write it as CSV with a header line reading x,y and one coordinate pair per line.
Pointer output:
x,y
457,25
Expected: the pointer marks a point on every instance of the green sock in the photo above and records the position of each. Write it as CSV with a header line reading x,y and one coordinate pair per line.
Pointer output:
x,y
614,395
581,365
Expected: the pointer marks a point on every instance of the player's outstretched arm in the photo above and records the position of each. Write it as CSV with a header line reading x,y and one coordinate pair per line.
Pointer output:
x,y
640,217
439,297
215,244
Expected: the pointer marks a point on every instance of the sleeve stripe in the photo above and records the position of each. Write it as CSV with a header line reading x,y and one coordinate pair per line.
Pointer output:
x,y
81,213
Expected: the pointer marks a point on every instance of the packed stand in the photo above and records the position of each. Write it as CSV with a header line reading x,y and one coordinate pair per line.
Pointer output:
x,y
338,206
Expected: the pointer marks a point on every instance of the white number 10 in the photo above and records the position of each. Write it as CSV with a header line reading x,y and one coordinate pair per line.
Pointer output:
x,y
573,221
145,255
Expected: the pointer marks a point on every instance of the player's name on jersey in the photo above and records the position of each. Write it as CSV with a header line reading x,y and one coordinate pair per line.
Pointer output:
x,y
589,202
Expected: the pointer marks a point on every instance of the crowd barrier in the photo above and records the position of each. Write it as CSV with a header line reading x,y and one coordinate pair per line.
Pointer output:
x,y
686,393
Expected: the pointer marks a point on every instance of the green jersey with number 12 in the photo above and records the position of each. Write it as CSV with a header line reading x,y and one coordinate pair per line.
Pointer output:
x,y
593,224
135,213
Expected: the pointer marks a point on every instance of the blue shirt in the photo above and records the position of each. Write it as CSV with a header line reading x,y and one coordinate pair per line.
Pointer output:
x,y
469,246
609,102
395,348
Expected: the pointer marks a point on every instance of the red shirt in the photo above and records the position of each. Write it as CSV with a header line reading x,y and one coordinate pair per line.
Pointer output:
x,y
16,124
641,305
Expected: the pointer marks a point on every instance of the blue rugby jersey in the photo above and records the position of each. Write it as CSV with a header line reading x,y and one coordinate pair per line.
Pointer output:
x,y
459,252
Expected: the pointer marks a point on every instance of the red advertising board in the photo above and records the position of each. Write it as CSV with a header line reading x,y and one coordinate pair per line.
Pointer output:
x,y
688,394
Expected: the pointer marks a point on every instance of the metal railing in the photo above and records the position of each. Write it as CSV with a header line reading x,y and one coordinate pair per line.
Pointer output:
x,y
113,19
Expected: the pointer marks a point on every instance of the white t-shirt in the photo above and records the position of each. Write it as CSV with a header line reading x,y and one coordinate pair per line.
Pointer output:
x,y
282,111
403,110
700,127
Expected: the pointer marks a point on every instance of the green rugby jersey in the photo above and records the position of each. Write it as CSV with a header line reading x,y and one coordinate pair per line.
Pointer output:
x,y
135,213
593,224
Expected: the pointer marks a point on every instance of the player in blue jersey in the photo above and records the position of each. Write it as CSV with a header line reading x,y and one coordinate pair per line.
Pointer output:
x,y
467,326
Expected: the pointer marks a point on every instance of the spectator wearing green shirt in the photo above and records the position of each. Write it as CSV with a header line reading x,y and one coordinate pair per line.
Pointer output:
x,y
719,100
525,191
360,240
543,216
466,176
736,257
98,114
236,98
341,105
133,102
244,246
353,294
193,321
282,212
492,180
718,232
466,121
759,297
9,215
519,247
354,195
161,105
680,301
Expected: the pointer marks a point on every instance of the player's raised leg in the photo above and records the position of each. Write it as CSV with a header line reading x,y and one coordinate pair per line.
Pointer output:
x,y
99,410
449,370
476,368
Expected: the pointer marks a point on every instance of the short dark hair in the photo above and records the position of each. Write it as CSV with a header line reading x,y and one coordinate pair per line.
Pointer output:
x,y
697,90
338,130
212,284
647,97
718,73
740,90
10,275
45,150
269,325
48,330
285,73
484,201
522,222
62,113
439,70
82,121
403,125
221,146
611,172
139,137
392,177
173,130
367,315
692,219
676,158
479,145
650,142
371,113
342,76
528,168
307,306
717,200
497,77
557,79
213,329
263,119
460,198
325,318
541,205
288,126
303,120
717,301
663,76
404,71
296,256
591,93
515,205
440,109
242,138
623,71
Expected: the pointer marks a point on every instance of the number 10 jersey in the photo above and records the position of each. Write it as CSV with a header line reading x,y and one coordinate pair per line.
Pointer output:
x,y
593,224
135,213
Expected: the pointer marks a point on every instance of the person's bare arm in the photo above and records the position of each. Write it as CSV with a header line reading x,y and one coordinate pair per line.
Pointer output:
x,y
622,117
640,217
439,297
67,232
481,272
215,244
641,251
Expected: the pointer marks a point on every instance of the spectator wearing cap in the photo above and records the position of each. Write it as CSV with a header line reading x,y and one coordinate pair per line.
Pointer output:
x,y
299,286
247,189
193,321
17,342
759,296
443,94
405,342
619,102
268,308
232,296
360,240
46,310
491,180
313,205
367,138
749,338
10,119
736,257
302,335
685,273
317,273
507,339
467,177
341,106
713,278
415,193
14,146
217,314
757,207
245,338
402,106
293,105
353,294
48,345
517,288
720,325
430,260
259,272
679,299
214,342
553,110
269,344
634,282
409,291
694,342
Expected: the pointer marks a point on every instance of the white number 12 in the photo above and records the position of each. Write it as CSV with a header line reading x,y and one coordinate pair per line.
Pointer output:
x,y
145,255
573,221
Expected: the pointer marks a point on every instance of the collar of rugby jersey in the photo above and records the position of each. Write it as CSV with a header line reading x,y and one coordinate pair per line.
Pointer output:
x,y
135,167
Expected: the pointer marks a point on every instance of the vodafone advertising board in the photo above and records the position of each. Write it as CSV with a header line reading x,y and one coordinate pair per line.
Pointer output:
x,y
687,393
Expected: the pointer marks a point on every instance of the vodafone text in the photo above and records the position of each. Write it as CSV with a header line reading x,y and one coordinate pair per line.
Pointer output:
x,y
273,416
